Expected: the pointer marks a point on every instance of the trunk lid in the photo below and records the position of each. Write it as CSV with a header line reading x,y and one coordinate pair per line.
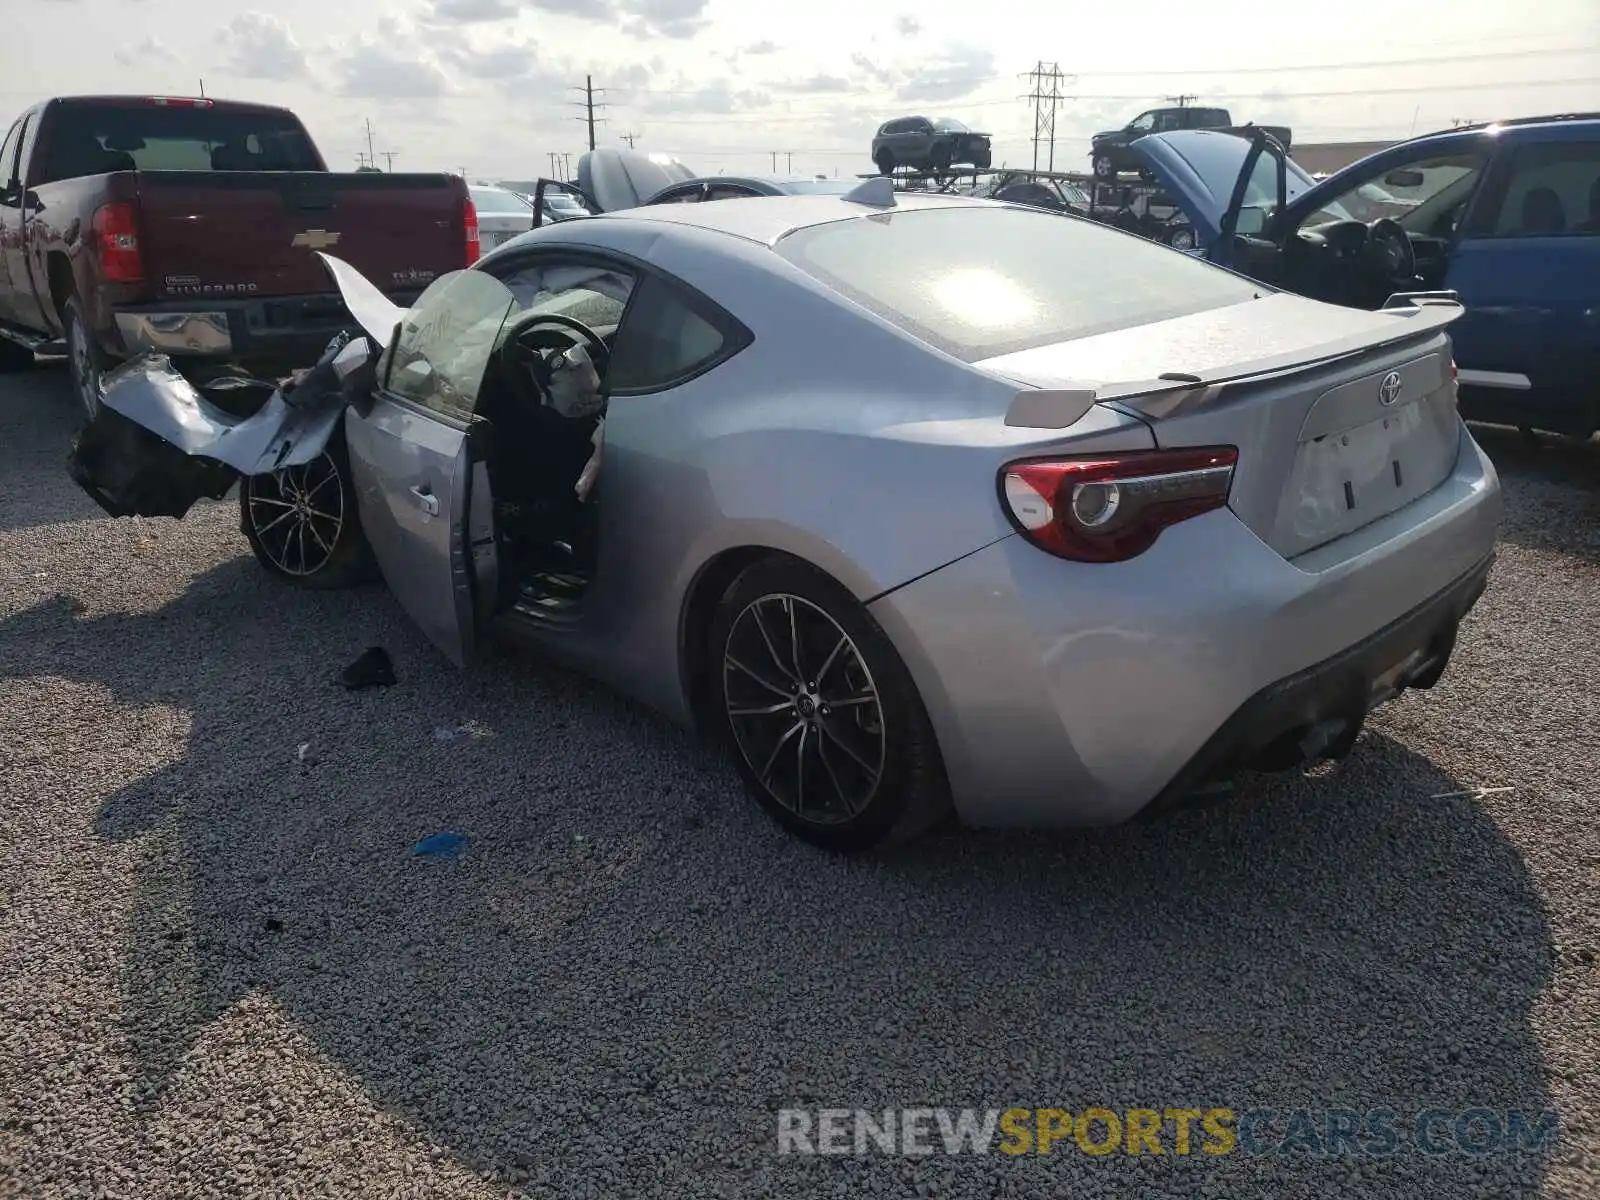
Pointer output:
x,y
256,233
1340,416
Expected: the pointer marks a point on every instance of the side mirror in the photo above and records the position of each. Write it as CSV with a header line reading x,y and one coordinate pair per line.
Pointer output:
x,y
1252,222
1405,179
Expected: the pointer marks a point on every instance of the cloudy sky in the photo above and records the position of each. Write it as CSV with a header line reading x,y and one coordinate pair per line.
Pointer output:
x,y
490,86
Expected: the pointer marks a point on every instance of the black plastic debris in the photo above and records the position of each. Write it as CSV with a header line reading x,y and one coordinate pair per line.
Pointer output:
x,y
372,669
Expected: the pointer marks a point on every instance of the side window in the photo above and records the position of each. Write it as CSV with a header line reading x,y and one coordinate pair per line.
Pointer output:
x,y
8,156
688,195
1553,189
663,341
444,344
1172,119
1143,123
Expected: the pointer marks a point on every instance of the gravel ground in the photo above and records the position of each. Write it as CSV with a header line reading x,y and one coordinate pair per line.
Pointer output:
x,y
221,972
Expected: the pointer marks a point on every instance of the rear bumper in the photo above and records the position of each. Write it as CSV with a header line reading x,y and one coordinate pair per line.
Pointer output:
x,y
1074,694
289,331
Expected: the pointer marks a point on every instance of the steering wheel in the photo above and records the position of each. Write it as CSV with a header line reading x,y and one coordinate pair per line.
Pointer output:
x,y
1389,252
524,356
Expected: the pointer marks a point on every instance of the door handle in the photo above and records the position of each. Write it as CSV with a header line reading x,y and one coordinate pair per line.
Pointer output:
x,y
426,500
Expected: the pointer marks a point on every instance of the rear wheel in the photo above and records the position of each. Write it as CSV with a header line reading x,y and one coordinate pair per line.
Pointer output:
x,y
824,720
884,161
303,524
1103,167
86,362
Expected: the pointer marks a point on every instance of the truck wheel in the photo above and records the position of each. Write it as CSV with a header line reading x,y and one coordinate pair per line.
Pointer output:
x,y
86,362
303,524
1103,167
884,162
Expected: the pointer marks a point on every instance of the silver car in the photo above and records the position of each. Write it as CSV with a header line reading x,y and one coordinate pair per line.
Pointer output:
x,y
915,502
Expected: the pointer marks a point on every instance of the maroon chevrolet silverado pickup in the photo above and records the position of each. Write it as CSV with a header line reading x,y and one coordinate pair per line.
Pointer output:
x,y
190,226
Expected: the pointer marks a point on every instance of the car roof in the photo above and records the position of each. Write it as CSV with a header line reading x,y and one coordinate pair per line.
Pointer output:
x,y
766,219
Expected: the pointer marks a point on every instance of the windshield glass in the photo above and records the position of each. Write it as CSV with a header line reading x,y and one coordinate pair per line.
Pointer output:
x,y
498,200
562,200
949,125
1417,194
979,282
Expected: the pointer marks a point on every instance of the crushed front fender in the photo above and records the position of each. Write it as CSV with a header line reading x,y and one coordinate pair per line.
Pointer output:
x,y
157,446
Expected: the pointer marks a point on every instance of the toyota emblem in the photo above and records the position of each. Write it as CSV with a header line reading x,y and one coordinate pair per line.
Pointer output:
x,y
1389,389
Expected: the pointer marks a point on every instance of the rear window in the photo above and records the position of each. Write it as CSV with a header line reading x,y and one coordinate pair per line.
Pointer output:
x,y
979,282
88,140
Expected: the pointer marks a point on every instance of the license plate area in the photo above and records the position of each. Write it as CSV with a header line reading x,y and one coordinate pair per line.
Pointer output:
x,y
1343,481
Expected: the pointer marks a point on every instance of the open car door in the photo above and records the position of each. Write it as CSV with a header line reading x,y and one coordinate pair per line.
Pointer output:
x,y
418,458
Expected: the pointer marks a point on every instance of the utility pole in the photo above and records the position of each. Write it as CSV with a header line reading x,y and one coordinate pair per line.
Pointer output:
x,y
371,157
628,137
588,105
202,89
1046,96
566,164
388,158
774,154
1181,101
361,159
790,153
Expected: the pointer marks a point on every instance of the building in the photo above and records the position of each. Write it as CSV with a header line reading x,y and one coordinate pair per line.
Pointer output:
x,y
1324,158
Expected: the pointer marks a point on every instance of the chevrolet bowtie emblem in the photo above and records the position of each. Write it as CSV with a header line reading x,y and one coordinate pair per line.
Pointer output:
x,y
316,239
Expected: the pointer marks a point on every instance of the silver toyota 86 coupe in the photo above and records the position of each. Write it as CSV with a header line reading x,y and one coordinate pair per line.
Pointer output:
x,y
919,504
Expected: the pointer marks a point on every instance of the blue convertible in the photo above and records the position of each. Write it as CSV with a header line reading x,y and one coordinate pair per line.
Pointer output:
x,y
1506,215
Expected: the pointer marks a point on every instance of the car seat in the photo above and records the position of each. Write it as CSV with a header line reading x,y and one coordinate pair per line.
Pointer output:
x,y
74,158
1542,212
1592,225
230,156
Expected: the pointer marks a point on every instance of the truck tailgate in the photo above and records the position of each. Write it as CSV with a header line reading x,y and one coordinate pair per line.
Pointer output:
x,y
256,233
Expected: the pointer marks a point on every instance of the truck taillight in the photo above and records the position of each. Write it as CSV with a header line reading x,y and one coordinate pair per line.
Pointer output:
x,y
474,245
1112,507
116,242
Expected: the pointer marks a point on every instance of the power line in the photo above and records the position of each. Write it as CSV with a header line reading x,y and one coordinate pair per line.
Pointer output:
x,y
628,137
588,105
1046,97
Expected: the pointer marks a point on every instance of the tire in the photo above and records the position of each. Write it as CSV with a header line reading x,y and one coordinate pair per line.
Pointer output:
x,y
884,161
86,362
1181,239
323,552
983,160
874,762
1104,168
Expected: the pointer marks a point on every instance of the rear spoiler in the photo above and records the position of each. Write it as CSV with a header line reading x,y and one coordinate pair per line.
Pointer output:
x,y
1416,315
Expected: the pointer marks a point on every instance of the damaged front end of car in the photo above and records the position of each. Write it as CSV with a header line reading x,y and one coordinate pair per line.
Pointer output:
x,y
158,446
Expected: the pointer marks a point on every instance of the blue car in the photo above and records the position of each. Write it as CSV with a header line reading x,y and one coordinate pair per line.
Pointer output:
x,y
1505,215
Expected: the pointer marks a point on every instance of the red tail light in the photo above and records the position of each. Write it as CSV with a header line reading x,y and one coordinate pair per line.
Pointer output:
x,y
1111,507
474,245
116,243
